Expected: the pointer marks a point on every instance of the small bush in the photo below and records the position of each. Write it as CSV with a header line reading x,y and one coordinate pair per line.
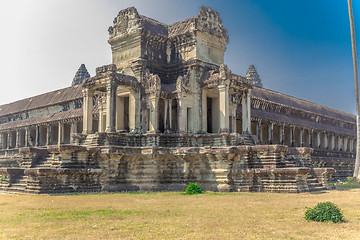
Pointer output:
x,y
193,188
324,212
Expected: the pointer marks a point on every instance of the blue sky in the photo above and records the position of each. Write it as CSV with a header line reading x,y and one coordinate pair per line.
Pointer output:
x,y
299,47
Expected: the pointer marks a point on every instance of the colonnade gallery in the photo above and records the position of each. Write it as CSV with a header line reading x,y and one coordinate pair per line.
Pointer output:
x,y
167,112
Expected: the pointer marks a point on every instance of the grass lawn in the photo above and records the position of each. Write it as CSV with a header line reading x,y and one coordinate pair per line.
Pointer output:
x,y
172,215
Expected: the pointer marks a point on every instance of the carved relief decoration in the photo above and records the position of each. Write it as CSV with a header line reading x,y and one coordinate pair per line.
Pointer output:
x,y
183,84
126,22
151,82
210,22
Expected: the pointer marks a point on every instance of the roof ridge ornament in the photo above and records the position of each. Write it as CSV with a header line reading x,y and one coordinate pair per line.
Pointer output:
x,y
253,76
80,75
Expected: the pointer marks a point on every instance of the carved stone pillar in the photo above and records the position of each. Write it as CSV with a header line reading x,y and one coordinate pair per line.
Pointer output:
x,y
17,142
292,136
170,115
101,117
27,136
224,108
346,141
166,124
182,116
281,134
87,111
74,129
154,116
246,111
2,141
48,135
301,137
271,133
204,110
120,113
133,111
318,140
61,133
311,137
37,136
110,107
235,102
326,141
259,131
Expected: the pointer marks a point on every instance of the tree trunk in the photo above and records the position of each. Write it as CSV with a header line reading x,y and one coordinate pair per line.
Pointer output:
x,y
356,83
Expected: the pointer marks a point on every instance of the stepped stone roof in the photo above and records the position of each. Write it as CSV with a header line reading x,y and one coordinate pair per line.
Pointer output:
x,y
80,75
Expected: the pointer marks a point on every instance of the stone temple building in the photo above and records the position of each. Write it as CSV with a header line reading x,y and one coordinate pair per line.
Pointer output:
x,y
167,112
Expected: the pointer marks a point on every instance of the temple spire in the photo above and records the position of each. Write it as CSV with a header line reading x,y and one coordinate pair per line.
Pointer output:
x,y
80,75
254,76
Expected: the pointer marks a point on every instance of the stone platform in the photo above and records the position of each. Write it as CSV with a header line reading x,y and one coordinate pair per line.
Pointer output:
x,y
112,168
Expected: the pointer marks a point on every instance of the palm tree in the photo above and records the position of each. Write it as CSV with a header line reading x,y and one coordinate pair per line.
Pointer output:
x,y
356,83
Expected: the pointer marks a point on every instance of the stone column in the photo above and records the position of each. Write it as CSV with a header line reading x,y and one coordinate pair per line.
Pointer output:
x,y
204,110
37,136
110,106
292,136
120,112
318,140
170,115
224,108
246,111
132,111
154,113
301,137
257,129
74,130
27,135
87,111
182,116
166,124
48,135
271,133
311,134
281,134
101,117
17,142
61,133
2,141
346,141
326,141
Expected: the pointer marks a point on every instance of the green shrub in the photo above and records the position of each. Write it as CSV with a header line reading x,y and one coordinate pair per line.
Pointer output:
x,y
323,212
193,188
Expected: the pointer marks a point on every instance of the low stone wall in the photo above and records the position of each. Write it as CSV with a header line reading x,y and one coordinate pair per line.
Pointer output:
x,y
71,168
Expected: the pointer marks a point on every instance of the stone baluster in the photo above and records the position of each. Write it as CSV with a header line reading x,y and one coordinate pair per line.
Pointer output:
x,y
258,130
